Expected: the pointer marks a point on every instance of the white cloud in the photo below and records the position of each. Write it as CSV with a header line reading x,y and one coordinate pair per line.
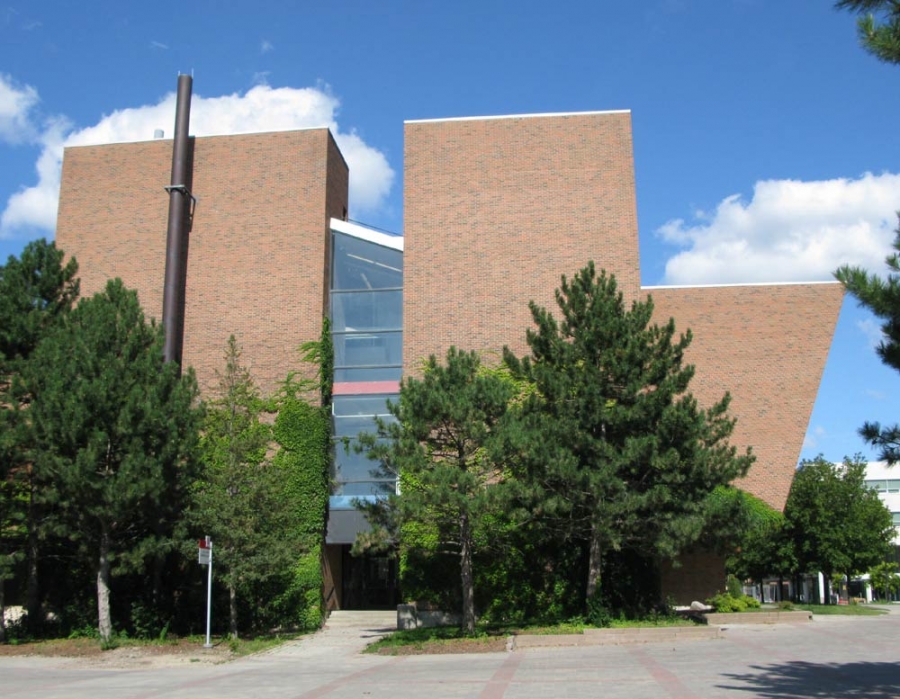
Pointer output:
x,y
872,331
813,435
789,231
261,77
159,45
16,106
260,109
266,46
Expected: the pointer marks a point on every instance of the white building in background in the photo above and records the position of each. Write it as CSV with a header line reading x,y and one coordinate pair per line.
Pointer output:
x,y
885,480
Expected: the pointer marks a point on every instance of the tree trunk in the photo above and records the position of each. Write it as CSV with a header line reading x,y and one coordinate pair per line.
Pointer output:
x,y
232,610
595,561
103,615
32,591
466,575
2,613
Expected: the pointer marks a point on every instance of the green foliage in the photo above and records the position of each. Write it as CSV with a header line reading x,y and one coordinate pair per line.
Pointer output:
x,y
321,354
303,435
765,547
885,579
239,498
114,431
837,524
443,446
727,602
615,453
879,28
598,615
36,291
882,297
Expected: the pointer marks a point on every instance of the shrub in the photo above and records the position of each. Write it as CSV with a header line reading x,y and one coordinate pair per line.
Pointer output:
x,y
726,603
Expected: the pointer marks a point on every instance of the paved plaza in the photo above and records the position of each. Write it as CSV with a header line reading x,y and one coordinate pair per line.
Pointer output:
x,y
829,657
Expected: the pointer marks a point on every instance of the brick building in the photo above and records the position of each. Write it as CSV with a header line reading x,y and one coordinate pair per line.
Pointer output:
x,y
495,210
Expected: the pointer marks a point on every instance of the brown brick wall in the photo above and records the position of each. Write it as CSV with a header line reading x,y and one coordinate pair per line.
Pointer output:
x,y
258,248
767,346
495,210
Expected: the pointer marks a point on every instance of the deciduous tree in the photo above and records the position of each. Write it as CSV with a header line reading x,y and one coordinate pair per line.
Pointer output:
x,y
838,525
240,498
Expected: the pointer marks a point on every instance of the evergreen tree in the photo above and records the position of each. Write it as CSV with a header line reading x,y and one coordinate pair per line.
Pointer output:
x,y
881,297
441,445
617,453
837,524
114,430
36,290
879,28
240,498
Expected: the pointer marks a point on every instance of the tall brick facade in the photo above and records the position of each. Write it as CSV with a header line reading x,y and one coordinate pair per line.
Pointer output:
x,y
767,346
495,210
259,244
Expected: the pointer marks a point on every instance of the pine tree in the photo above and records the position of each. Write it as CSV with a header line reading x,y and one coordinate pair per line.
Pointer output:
x,y
879,28
618,454
441,447
114,431
881,297
36,291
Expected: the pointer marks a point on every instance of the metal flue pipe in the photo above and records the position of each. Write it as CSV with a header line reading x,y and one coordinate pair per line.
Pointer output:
x,y
180,199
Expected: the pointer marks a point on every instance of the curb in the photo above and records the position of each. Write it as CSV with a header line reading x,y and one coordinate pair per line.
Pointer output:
x,y
615,637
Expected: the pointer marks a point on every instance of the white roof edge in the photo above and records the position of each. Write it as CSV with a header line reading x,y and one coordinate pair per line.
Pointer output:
x,y
713,286
395,242
169,137
518,116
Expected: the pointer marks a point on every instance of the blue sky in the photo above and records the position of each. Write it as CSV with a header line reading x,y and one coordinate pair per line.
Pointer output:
x,y
766,141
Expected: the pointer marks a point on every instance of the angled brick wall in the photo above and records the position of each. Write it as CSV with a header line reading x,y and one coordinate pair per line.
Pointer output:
x,y
767,346
258,251
495,210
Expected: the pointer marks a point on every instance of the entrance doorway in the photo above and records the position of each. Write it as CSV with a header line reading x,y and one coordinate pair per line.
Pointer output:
x,y
360,582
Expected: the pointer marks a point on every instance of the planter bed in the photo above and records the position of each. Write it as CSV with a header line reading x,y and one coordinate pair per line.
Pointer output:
x,y
764,617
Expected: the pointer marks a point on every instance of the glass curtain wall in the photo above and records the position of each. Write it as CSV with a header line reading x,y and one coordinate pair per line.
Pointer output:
x,y
367,331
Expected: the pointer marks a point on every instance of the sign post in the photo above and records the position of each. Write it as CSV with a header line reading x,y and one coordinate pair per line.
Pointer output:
x,y
204,557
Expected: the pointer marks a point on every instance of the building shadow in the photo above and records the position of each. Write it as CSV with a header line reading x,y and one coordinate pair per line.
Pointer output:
x,y
804,679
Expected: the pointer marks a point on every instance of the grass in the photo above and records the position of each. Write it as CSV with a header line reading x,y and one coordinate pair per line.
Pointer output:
x,y
841,609
248,646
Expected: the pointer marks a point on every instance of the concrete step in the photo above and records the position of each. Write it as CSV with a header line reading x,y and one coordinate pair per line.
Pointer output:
x,y
347,619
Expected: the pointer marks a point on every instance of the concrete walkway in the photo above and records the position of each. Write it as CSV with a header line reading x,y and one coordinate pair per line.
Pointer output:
x,y
344,634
